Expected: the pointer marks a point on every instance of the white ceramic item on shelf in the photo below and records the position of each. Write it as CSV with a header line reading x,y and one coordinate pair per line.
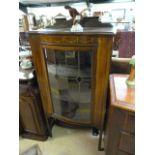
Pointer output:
x,y
24,54
76,28
26,76
26,64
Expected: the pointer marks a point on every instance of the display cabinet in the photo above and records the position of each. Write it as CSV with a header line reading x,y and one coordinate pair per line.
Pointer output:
x,y
72,70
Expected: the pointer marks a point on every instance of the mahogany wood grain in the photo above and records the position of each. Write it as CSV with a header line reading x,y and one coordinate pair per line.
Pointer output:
x,y
69,40
41,70
101,78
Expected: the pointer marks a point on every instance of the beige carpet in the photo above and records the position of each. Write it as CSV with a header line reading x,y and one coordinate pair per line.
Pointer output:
x,y
34,150
65,141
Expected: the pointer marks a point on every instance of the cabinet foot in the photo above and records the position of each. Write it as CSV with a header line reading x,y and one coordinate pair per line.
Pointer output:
x,y
95,131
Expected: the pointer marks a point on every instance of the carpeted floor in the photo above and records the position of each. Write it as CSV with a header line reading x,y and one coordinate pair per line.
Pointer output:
x,y
33,150
65,141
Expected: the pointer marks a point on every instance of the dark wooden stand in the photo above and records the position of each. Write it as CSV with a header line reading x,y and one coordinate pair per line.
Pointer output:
x,y
32,119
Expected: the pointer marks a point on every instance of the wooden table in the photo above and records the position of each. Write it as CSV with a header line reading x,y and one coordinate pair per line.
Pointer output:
x,y
120,128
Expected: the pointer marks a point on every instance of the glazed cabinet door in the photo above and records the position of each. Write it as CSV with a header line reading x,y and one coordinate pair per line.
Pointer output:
x,y
70,81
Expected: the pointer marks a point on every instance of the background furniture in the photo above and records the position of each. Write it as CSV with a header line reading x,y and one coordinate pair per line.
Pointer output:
x,y
72,71
120,65
120,128
32,119
124,42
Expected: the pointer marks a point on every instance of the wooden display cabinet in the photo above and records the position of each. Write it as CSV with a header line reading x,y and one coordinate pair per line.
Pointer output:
x,y
72,70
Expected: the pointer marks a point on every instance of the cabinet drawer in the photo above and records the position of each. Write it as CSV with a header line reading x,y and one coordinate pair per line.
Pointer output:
x,y
129,124
127,142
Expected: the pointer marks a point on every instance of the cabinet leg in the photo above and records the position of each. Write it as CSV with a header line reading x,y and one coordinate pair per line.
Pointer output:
x,y
48,128
95,131
52,122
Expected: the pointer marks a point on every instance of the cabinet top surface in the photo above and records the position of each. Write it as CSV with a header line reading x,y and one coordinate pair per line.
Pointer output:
x,y
67,31
122,96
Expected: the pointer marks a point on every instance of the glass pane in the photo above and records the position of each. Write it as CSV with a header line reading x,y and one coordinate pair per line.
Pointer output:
x,y
70,82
